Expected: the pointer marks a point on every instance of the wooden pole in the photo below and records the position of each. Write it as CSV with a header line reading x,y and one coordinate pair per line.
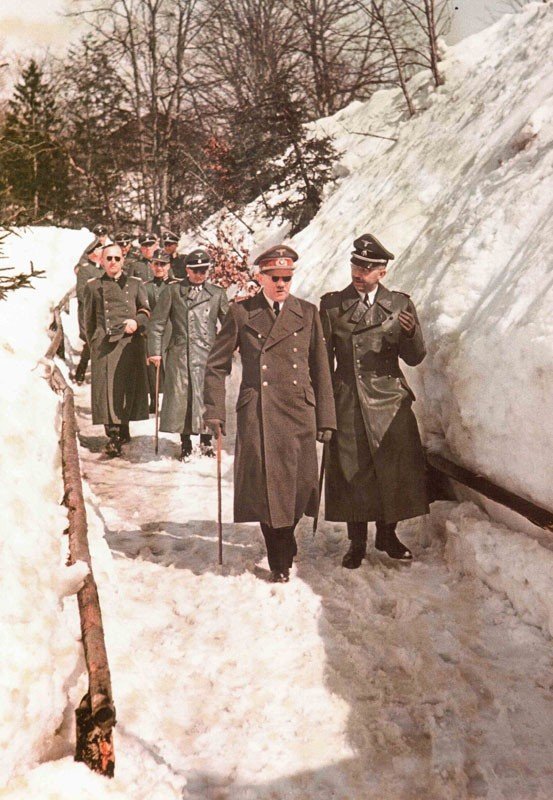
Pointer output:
x,y
158,369
219,497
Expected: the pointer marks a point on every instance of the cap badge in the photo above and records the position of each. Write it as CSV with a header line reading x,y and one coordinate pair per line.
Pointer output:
x,y
282,262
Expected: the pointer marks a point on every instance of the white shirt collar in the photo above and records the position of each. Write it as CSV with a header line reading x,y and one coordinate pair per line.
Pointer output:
x,y
272,302
370,295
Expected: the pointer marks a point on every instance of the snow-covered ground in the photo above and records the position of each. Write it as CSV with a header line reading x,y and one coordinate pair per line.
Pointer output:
x,y
398,682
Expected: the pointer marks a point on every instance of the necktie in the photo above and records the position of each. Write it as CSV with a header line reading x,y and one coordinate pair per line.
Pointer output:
x,y
276,306
367,301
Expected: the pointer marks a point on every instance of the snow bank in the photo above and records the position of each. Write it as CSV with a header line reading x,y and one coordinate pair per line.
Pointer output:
x,y
463,198
40,652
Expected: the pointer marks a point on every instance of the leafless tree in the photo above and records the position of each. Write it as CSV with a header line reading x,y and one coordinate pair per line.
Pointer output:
x,y
152,42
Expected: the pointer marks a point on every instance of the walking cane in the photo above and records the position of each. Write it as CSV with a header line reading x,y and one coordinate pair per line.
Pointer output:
x,y
321,478
219,497
158,365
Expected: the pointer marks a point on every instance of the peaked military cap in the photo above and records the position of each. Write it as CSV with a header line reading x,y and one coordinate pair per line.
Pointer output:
x,y
368,251
160,255
94,246
279,257
99,230
170,238
197,258
147,239
123,238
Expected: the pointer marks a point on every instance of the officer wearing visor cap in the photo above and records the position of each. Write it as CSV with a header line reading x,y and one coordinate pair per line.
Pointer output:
x,y
140,267
285,403
375,466
160,265
192,310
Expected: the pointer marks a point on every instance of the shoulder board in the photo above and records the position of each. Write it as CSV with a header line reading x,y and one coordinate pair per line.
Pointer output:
x,y
329,296
135,278
91,279
402,293
173,282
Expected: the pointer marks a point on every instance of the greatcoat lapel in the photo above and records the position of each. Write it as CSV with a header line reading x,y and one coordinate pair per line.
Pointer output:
x,y
288,322
260,317
376,314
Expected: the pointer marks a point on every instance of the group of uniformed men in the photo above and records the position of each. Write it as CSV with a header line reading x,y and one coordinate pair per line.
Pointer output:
x,y
330,375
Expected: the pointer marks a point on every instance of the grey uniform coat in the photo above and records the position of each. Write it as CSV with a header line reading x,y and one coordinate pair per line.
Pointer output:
x,y
119,379
85,270
153,290
285,396
138,267
375,466
192,315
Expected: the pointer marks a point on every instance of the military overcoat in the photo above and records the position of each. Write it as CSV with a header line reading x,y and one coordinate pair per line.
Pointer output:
x,y
85,270
153,291
192,315
118,360
375,466
138,267
285,396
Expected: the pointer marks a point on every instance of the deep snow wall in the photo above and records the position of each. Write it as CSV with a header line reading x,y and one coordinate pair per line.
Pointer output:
x,y
38,635
464,198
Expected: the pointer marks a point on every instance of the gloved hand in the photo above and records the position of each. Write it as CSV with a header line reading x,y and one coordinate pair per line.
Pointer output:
x,y
216,425
324,435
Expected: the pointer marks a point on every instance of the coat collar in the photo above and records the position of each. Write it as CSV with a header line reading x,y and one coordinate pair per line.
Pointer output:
x,y
205,294
361,316
262,319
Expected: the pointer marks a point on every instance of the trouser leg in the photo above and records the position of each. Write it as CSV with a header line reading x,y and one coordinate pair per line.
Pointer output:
x,y
80,372
205,438
113,431
357,532
281,546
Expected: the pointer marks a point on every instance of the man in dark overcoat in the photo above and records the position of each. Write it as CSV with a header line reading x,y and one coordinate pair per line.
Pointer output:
x,y
192,309
285,403
115,315
139,267
160,266
375,466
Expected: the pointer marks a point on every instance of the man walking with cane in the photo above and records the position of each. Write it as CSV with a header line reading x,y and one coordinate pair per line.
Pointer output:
x,y
285,403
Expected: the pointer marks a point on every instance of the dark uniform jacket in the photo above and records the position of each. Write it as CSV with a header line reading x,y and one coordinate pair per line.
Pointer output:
x,y
138,267
119,379
375,468
193,322
85,270
285,396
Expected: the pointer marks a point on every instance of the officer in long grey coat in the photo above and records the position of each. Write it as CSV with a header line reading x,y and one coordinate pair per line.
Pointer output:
x,y
375,466
88,267
193,310
139,266
285,403
160,265
115,315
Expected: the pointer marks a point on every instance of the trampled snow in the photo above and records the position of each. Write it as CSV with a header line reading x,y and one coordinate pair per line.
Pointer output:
x,y
393,681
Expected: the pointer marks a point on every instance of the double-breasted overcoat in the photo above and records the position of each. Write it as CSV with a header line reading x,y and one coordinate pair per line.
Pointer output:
x,y
285,396
118,360
193,313
375,466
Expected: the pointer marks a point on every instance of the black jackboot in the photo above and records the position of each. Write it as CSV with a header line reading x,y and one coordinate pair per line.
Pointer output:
x,y
387,541
357,533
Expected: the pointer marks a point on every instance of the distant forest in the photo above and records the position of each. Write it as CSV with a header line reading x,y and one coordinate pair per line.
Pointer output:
x,y
166,111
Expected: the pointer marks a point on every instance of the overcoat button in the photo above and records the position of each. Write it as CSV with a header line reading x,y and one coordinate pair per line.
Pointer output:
x,y
295,366
295,349
259,336
295,333
265,383
264,366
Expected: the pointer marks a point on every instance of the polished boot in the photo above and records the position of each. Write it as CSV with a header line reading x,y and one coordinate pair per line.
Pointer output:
x,y
357,533
206,448
113,446
124,433
185,447
387,541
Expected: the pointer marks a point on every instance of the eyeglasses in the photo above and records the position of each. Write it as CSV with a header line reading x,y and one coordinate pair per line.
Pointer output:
x,y
114,258
277,278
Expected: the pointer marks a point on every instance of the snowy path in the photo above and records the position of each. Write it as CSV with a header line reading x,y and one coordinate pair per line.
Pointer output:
x,y
392,682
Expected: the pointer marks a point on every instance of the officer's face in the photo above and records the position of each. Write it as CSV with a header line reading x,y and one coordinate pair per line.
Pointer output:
x,y
112,260
170,247
160,269
197,276
148,250
366,279
276,284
